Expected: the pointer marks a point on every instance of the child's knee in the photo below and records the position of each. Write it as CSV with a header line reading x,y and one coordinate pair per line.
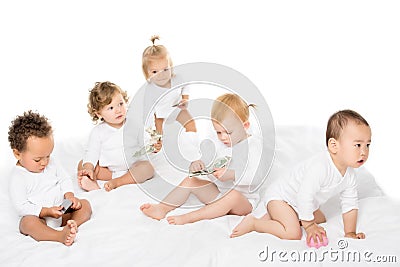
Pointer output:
x,y
27,222
144,166
234,195
294,234
148,166
80,166
187,182
86,206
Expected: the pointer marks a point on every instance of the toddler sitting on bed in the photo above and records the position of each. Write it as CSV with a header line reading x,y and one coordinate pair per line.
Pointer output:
x,y
314,181
38,185
229,189
104,158
160,91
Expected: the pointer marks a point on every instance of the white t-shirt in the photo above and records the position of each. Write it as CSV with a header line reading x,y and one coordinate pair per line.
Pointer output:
x,y
312,183
160,101
30,192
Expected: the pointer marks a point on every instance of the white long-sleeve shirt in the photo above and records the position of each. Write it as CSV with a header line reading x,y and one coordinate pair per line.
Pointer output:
x,y
160,101
312,183
30,192
245,159
106,147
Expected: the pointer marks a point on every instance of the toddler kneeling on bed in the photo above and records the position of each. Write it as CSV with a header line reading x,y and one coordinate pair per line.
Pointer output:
x,y
104,157
314,181
227,189
38,185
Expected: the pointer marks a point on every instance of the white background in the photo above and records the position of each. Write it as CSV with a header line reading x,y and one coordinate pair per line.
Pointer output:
x,y
309,58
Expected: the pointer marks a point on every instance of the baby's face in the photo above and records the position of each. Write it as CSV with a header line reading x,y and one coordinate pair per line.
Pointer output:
x,y
231,130
353,149
114,113
36,156
159,72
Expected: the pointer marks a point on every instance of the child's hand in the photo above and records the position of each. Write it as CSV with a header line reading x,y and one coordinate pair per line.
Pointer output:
x,y
313,231
54,212
183,103
355,235
197,166
85,172
157,146
223,174
76,203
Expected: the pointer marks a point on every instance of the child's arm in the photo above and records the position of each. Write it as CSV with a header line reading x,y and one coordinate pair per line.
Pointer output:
x,y
184,102
224,174
313,230
76,204
159,128
54,212
159,124
350,223
197,166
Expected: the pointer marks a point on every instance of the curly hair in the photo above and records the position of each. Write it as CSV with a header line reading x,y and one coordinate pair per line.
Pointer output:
x,y
27,125
101,95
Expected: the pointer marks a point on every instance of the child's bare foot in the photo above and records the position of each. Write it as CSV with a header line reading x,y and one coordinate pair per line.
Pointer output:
x,y
245,226
69,232
155,211
178,220
88,184
80,180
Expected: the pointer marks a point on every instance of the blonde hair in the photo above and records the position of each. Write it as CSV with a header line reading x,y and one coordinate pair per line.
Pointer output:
x,y
154,52
101,95
339,120
225,104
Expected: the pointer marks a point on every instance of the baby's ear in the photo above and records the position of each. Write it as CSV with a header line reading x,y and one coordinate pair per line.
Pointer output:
x,y
17,154
332,145
246,125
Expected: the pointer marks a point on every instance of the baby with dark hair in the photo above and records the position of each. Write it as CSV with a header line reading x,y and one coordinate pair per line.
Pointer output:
x,y
38,186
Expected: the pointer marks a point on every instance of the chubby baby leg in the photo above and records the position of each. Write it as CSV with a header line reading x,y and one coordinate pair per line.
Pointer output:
x,y
138,173
281,221
156,211
38,230
232,203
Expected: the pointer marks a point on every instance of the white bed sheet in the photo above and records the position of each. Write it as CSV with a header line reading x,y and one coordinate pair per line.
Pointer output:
x,y
118,234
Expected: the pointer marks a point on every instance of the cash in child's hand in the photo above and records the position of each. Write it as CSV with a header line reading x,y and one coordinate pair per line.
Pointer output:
x,y
218,163
149,148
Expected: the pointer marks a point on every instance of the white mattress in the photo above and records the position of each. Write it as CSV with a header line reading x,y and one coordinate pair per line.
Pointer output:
x,y
120,235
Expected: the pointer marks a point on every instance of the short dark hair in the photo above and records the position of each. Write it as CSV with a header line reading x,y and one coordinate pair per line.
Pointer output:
x,y
339,120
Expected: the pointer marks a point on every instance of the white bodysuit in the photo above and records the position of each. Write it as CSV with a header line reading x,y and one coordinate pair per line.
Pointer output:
x,y
30,192
245,159
160,101
312,183
106,147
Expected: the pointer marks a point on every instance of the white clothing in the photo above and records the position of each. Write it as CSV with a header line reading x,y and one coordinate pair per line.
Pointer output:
x,y
30,192
245,159
160,101
312,183
106,147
